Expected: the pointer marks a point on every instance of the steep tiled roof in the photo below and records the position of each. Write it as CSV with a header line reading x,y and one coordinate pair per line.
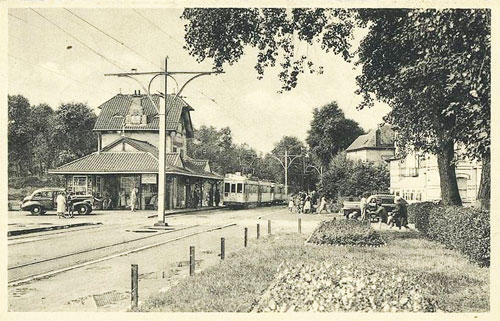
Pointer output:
x,y
111,162
385,139
114,110
137,144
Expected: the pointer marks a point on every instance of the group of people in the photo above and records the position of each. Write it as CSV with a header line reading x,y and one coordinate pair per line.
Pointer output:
x,y
107,201
64,206
397,217
306,203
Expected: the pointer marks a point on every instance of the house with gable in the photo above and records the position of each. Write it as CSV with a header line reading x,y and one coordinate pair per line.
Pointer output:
x,y
376,146
127,156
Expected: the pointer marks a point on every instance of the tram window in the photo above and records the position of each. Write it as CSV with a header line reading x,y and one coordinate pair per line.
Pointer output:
x,y
233,188
226,187
240,188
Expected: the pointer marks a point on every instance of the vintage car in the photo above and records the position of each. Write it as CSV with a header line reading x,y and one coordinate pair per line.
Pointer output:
x,y
387,201
44,199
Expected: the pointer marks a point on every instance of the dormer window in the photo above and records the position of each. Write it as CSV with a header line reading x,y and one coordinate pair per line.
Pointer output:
x,y
135,114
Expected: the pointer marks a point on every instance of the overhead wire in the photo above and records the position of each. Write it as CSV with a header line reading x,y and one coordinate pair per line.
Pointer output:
x,y
113,38
158,27
78,40
10,14
58,73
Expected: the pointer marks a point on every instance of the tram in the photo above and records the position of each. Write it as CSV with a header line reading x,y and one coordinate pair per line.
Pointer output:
x,y
242,191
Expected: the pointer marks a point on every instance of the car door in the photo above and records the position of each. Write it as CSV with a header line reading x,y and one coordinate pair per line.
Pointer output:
x,y
46,200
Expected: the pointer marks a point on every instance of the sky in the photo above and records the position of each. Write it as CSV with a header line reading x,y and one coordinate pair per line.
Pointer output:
x,y
48,65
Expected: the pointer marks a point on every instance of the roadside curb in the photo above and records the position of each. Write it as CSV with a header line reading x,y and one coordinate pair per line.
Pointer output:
x,y
48,228
190,211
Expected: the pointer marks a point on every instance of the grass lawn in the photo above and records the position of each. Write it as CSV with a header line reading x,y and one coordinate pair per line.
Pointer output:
x,y
236,284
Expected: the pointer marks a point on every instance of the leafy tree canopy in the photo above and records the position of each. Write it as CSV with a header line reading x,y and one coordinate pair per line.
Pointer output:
x,y
331,132
352,178
433,68
223,34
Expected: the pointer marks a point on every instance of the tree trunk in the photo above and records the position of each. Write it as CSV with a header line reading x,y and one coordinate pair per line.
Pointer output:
x,y
448,178
483,197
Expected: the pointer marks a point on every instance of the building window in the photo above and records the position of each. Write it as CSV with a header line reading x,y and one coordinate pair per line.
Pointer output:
x,y
98,186
78,185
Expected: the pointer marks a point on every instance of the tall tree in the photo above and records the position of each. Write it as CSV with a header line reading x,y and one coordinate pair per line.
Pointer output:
x,y
215,146
331,132
73,133
19,135
433,68
434,62
42,123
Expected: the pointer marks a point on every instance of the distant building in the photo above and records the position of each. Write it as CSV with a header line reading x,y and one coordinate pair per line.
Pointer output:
x,y
127,156
376,146
416,178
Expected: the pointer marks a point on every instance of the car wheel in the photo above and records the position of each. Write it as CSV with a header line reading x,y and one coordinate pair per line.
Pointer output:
x,y
83,210
36,210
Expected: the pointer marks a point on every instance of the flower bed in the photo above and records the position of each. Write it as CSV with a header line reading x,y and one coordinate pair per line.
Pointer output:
x,y
346,232
325,287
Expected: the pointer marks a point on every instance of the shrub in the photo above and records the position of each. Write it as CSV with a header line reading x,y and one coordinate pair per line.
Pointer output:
x,y
464,229
345,232
327,287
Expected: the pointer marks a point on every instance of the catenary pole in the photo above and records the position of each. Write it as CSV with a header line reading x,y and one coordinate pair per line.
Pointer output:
x,y
162,146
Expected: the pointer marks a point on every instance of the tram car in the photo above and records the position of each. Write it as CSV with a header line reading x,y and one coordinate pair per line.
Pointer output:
x,y
243,191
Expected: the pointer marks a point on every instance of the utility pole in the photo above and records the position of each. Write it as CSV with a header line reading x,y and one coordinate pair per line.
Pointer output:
x,y
286,165
162,112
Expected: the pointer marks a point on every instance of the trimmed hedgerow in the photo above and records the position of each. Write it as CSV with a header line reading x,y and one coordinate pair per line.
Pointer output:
x,y
464,229
346,232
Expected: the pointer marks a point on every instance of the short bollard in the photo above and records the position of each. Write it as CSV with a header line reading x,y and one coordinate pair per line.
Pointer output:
x,y
134,287
191,260
222,248
246,237
269,227
258,231
300,226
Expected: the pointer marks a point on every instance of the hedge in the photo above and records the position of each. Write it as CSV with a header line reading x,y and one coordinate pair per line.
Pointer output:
x,y
464,229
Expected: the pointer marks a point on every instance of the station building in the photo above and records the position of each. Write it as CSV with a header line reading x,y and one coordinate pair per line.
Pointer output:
x,y
127,156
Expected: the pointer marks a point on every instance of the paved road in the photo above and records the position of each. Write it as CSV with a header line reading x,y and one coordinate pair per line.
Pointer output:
x,y
104,286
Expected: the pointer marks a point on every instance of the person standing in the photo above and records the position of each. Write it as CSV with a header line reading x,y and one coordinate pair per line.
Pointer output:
x,y
133,198
307,205
122,199
322,205
290,204
217,197
61,204
401,212
362,206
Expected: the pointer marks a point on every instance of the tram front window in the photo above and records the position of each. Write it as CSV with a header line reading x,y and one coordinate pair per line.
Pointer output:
x,y
233,188
240,188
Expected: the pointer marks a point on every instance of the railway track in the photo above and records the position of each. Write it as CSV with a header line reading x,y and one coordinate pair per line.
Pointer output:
x,y
116,251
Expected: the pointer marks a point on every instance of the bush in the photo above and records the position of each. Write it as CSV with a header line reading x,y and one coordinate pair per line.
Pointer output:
x,y
328,287
464,229
345,232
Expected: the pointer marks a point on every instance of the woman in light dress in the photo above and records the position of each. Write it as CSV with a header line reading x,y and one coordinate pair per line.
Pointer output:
x,y
133,198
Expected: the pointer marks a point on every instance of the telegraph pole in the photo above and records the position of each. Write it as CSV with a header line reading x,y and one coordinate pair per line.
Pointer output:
x,y
162,112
